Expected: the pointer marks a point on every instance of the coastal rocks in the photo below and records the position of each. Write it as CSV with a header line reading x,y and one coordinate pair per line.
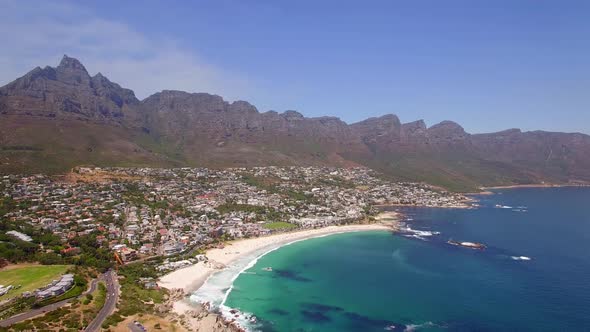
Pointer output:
x,y
194,317
470,245
389,218
199,319
176,294
215,265
162,308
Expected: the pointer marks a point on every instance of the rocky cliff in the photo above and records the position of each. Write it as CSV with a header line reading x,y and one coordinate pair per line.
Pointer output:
x,y
55,118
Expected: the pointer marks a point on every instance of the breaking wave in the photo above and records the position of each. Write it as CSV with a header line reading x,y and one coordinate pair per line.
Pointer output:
x,y
417,233
414,236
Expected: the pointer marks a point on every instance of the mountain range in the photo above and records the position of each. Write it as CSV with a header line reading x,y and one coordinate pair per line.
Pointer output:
x,y
52,119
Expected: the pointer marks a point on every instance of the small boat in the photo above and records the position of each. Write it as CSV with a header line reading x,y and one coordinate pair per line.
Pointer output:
x,y
269,269
470,245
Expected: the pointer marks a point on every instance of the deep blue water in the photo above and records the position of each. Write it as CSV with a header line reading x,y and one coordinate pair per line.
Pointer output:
x,y
372,280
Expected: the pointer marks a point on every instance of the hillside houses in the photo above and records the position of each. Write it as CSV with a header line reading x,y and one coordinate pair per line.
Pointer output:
x,y
152,211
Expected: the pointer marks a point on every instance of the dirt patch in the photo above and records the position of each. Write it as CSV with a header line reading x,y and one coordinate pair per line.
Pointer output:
x,y
151,323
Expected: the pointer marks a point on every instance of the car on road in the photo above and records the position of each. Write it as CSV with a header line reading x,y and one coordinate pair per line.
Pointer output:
x,y
138,324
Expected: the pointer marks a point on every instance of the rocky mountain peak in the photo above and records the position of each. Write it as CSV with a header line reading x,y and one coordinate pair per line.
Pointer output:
x,y
386,122
292,115
447,130
100,76
67,91
507,132
71,63
448,124
389,118
416,125
379,130
414,129
242,106
103,87
71,71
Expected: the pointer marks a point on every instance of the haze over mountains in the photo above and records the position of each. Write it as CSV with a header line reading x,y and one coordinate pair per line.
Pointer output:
x,y
52,119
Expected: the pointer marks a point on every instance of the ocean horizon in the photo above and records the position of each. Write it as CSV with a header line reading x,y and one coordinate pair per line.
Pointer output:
x,y
532,275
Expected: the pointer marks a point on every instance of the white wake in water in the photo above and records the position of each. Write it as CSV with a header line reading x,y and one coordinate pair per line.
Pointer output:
x,y
520,258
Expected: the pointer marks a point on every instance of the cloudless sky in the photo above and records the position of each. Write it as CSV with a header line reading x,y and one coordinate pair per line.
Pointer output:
x,y
488,65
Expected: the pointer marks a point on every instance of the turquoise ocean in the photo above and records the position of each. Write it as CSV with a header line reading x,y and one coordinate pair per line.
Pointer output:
x,y
534,274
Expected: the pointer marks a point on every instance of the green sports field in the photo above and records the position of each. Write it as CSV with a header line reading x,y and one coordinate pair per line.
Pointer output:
x,y
30,277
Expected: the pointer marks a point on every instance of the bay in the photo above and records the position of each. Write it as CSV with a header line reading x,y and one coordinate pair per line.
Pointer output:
x,y
376,281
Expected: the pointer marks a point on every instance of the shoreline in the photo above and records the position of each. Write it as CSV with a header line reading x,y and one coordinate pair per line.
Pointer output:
x,y
463,205
193,277
536,185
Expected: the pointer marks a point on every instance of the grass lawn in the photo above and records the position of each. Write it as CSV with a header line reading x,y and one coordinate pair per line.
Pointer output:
x,y
30,277
279,225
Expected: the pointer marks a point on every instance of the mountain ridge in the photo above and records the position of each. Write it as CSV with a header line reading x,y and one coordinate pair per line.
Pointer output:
x,y
57,118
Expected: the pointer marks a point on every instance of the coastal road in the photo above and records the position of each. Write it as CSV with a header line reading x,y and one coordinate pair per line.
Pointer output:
x,y
110,303
41,311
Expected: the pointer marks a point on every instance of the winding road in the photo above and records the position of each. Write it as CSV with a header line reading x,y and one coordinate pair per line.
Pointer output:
x,y
110,304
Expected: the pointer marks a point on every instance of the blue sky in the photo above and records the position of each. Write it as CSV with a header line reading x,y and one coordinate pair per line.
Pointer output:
x,y
489,65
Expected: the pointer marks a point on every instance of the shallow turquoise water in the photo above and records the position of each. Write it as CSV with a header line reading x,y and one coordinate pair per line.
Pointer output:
x,y
369,281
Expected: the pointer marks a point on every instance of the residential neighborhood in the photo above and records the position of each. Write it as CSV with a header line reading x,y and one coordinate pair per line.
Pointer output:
x,y
143,212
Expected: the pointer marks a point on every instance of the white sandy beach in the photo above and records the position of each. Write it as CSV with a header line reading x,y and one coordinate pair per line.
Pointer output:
x,y
192,278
